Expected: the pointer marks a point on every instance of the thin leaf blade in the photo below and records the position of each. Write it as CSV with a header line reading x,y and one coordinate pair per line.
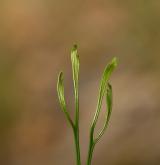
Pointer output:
x,y
75,66
103,84
109,101
60,91
75,72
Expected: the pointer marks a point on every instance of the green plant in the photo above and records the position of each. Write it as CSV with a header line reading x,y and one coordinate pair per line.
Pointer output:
x,y
105,90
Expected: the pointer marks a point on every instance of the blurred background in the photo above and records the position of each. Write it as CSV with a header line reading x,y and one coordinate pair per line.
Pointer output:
x,y
35,42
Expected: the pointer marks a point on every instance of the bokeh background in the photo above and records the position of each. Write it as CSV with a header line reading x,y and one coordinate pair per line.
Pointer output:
x,y
35,41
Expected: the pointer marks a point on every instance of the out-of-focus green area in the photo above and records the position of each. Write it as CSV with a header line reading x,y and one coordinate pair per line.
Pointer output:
x,y
35,42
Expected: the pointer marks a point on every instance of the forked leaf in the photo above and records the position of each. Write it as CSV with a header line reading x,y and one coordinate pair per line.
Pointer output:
x,y
105,77
103,84
108,111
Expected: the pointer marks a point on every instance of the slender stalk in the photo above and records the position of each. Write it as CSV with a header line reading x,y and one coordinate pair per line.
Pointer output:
x,y
76,128
75,71
91,146
77,146
90,150
90,154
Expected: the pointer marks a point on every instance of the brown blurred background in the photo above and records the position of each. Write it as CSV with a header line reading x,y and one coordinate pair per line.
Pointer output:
x,y
35,41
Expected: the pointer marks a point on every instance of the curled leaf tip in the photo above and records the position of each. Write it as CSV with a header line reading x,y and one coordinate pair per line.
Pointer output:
x,y
114,62
109,86
60,80
61,76
74,48
74,53
75,67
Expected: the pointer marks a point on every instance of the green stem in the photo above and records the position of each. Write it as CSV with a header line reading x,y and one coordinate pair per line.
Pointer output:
x,y
76,127
90,153
91,147
77,146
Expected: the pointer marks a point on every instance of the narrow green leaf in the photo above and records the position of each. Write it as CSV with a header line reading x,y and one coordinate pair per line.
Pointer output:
x,y
103,84
75,72
109,101
108,111
60,91
75,66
